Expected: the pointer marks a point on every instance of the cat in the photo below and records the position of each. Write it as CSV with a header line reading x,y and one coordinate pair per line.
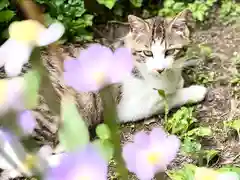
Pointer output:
x,y
157,45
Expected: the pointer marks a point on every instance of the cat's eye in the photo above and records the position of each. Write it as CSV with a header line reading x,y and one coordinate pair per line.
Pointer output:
x,y
169,52
148,53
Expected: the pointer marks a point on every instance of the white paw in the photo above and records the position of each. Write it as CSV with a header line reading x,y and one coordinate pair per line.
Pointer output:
x,y
196,93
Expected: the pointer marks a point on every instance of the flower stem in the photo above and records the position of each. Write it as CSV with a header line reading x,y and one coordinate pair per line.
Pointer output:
x,y
111,119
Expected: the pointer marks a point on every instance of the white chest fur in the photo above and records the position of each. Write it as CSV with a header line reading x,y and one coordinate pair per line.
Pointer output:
x,y
139,97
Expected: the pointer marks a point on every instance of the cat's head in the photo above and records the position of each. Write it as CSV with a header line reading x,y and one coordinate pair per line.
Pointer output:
x,y
158,43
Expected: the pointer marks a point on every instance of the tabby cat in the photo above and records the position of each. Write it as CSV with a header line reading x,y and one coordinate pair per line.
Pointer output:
x,y
157,46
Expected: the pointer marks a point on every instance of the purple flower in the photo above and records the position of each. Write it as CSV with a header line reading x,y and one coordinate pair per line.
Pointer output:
x,y
11,94
97,66
26,121
150,154
84,164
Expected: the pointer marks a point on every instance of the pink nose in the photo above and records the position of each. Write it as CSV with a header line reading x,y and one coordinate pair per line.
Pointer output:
x,y
158,70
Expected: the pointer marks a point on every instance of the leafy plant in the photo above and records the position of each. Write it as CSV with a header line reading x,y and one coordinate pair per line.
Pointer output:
x,y
6,15
108,3
170,8
200,9
229,11
72,14
234,124
182,124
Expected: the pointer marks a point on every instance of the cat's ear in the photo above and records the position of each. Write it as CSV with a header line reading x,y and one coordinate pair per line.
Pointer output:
x,y
137,24
179,23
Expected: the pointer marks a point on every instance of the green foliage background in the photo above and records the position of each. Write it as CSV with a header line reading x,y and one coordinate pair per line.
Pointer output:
x,y
79,16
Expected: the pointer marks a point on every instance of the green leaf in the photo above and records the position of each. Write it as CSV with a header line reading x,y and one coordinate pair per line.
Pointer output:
x,y
235,124
186,173
180,121
200,131
205,50
190,146
32,81
108,3
168,3
229,168
162,93
105,148
73,132
6,15
137,3
210,154
46,87
3,4
103,132
178,6
199,15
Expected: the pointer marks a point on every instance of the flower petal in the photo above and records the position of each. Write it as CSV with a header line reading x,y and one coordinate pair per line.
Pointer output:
x,y
70,64
129,156
16,55
16,87
96,59
228,176
52,34
123,63
141,139
73,163
81,82
144,170
170,148
202,173
157,135
11,90
14,149
26,121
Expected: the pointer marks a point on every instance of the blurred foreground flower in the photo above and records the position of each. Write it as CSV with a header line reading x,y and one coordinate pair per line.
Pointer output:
x,y
97,66
150,154
26,121
21,161
11,94
23,37
203,173
19,93
84,164
26,163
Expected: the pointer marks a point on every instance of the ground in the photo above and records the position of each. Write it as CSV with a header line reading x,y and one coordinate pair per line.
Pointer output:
x,y
221,104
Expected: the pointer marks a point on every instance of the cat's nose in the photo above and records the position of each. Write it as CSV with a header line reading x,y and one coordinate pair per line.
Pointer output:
x,y
159,71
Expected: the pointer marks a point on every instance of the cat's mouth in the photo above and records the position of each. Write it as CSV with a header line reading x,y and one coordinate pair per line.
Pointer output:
x,y
157,72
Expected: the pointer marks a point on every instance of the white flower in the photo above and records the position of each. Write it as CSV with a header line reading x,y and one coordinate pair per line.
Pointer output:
x,y
228,176
23,37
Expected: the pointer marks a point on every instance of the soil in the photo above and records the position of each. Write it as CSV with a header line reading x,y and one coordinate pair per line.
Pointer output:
x,y
221,104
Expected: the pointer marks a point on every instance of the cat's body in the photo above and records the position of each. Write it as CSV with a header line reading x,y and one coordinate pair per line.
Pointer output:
x,y
157,46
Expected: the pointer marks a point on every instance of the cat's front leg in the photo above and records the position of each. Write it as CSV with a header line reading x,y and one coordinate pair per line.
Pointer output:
x,y
192,94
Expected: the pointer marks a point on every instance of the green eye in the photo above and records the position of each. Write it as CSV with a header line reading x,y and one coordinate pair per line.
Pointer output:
x,y
169,52
148,53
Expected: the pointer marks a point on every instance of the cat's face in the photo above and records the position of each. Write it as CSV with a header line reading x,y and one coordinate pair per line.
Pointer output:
x,y
158,43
